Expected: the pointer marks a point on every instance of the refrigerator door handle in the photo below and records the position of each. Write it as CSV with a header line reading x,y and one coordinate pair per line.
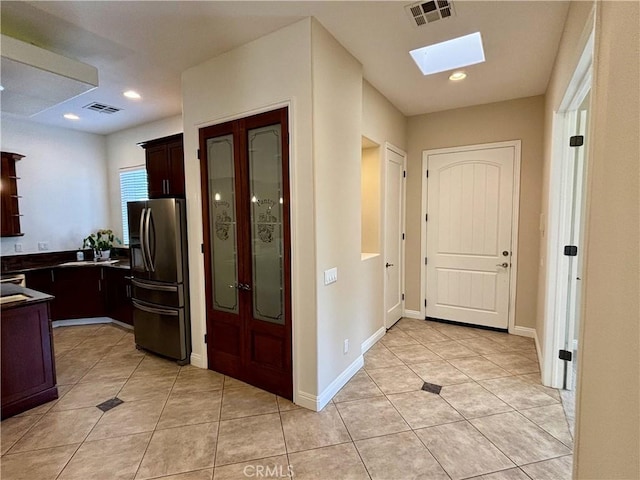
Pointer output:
x,y
155,310
144,255
159,288
147,241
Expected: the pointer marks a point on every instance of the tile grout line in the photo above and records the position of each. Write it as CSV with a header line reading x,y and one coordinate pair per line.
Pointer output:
x,y
56,402
352,440
153,432
464,419
92,428
412,430
284,439
215,452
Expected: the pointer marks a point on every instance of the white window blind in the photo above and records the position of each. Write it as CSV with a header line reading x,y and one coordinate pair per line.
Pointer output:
x,y
133,187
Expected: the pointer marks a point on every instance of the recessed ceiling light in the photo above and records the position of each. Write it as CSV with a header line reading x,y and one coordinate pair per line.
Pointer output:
x,y
455,53
132,94
71,116
1,88
457,76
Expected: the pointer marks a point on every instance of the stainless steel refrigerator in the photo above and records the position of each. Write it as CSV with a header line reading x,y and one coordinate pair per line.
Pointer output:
x,y
159,277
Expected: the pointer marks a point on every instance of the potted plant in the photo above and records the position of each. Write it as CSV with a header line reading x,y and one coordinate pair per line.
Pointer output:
x,y
101,242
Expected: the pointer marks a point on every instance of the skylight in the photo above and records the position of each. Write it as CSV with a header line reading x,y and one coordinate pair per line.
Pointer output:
x,y
455,53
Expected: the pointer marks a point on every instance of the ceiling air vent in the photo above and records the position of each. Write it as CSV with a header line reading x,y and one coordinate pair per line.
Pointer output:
x,y
422,13
102,108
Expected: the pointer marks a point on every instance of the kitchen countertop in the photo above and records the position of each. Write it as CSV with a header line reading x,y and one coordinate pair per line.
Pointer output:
x,y
20,296
119,263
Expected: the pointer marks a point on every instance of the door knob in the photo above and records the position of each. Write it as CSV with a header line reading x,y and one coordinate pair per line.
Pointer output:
x,y
503,265
387,265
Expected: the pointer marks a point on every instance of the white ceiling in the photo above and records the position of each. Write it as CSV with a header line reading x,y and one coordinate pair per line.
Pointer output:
x,y
145,45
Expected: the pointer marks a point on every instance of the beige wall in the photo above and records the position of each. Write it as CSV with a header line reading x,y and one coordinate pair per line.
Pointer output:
x,y
123,152
337,141
381,123
608,407
261,75
63,185
370,200
520,119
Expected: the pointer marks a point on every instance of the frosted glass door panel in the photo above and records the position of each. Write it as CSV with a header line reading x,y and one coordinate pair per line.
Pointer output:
x,y
267,243
222,211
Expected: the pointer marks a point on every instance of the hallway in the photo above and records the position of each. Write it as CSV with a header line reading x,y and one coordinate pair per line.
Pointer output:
x,y
491,420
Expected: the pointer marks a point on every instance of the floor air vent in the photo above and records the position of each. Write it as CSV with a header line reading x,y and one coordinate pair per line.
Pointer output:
x,y
422,13
102,108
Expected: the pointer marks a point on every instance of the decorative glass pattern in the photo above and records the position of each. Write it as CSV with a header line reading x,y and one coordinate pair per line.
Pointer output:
x,y
222,218
267,241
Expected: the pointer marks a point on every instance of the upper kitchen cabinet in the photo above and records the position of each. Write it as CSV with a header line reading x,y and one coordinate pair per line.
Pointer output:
x,y
10,212
165,166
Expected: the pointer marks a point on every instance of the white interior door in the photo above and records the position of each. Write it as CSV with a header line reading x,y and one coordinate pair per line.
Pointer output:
x,y
393,226
470,207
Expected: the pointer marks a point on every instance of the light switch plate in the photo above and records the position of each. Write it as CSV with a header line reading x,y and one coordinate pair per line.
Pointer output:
x,y
331,276
18,248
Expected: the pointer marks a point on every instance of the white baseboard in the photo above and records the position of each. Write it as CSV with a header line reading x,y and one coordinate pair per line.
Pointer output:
x,y
80,321
524,331
197,360
317,403
306,400
417,314
538,350
371,341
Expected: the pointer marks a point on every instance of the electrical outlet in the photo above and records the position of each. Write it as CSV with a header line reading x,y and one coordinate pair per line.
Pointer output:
x,y
42,246
331,276
18,248
346,346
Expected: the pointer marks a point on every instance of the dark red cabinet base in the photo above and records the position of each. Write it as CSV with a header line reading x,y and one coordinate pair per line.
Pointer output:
x,y
28,370
85,292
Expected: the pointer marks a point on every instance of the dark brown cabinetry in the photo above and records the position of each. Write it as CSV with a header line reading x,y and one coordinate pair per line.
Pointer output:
x,y
78,292
118,295
84,292
165,166
10,212
28,372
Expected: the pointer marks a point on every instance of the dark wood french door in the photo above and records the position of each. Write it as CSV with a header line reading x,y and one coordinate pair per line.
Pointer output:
x,y
247,244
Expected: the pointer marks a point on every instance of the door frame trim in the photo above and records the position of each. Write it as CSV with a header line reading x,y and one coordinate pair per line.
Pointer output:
x,y
389,146
552,368
296,271
515,215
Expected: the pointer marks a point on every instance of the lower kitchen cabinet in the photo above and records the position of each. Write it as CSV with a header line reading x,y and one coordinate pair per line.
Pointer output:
x,y
118,295
28,372
78,292
85,291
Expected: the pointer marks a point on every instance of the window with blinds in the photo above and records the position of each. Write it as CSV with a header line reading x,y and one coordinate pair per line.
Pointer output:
x,y
133,187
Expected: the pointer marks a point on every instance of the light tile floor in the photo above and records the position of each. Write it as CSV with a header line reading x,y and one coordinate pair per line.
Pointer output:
x,y
492,420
